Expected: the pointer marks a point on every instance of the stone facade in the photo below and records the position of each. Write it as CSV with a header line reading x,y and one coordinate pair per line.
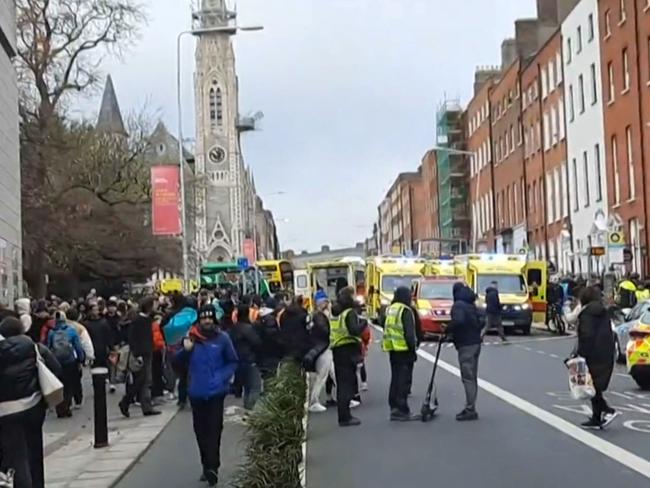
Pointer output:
x,y
10,216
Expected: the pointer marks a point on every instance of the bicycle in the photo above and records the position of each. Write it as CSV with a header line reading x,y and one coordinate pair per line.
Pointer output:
x,y
556,322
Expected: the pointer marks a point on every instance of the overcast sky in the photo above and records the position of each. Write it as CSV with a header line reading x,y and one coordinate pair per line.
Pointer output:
x,y
349,90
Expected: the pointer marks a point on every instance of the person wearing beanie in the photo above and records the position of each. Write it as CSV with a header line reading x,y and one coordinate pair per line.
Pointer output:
x,y
211,360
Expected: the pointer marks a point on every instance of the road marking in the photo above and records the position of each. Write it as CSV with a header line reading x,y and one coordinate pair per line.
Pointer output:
x,y
528,349
612,451
540,352
554,356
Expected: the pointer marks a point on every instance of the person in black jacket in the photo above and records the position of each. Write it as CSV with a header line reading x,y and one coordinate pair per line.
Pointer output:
x,y
21,429
141,351
596,345
247,345
347,355
493,310
293,331
268,329
466,332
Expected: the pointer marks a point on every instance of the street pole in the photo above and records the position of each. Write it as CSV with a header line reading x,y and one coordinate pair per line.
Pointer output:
x,y
228,30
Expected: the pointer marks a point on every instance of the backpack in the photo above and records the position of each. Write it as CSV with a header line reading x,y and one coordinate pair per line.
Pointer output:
x,y
61,346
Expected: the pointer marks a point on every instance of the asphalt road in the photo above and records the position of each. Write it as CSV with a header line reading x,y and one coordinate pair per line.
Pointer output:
x,y
173,460
526,435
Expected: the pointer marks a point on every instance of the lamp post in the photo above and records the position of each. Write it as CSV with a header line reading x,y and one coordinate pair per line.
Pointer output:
x,y
472,158
229,30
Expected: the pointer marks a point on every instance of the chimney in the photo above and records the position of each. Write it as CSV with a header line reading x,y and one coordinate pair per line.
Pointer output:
x,y
325,249
547,10
508,52
483,74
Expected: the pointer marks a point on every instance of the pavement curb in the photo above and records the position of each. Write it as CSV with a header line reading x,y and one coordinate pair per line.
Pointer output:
x,y
144,451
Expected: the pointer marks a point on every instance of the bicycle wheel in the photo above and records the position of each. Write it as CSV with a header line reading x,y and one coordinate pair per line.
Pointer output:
x,y
551,324
559,325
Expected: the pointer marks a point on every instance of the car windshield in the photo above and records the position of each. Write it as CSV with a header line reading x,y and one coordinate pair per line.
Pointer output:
x,y
390,283
513,284
437,291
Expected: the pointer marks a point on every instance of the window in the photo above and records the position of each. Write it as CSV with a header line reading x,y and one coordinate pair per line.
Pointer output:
x,y
554,127
552,76
599,175
550,200
512,138
547,132
630,162
585,168
576,198
557,182
648,47
617,175
544,83
594,89
610,80
558,67
590,27
608,24
626,71
622,16
561,118
581,94
533,201
572,113
216,106
569,51
565,189
579,40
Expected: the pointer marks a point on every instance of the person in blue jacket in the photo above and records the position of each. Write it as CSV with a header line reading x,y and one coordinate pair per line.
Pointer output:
x,y
211,361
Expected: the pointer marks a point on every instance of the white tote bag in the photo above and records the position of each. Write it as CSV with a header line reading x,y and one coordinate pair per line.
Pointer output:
x,y
51,387
580,383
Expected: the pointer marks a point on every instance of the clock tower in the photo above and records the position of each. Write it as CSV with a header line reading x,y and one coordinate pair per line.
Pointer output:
x,y
220,174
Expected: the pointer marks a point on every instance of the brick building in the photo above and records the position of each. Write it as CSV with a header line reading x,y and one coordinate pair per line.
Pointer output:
x,y
430,195
623,45
401,219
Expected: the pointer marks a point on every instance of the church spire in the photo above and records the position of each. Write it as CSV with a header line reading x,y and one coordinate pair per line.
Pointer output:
x,y
110,117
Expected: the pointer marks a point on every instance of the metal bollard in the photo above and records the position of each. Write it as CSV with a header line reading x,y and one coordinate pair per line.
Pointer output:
x,y
100,375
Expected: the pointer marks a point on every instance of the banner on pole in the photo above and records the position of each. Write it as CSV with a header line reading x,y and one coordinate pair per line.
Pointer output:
x,y
165,201
250,251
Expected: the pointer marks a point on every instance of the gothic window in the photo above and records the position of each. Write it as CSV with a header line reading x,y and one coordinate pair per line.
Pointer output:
x,y
216,106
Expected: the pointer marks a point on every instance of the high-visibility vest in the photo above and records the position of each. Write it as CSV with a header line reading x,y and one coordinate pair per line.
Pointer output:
x,y
339,333
642,295
394,339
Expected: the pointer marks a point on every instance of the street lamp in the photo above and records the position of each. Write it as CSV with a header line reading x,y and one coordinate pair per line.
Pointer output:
x,y
472,157
229,30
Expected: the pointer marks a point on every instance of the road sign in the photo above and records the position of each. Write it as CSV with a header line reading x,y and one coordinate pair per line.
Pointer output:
x,y
616,239
242,263
597,251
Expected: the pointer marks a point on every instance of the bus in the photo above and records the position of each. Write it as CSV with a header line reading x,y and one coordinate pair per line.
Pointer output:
x,y
278,274
217,275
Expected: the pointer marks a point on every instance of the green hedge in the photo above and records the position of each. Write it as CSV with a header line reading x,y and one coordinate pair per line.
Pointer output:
x,y
275,434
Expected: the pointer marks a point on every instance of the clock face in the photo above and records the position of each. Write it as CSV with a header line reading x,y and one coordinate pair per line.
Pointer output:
x,y
217,155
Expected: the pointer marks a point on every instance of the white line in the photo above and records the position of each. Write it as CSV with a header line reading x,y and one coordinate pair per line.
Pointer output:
x,y
541,352
528,349
612,451
554,356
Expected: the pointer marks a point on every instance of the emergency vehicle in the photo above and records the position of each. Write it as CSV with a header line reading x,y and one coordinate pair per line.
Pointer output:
x,y
638,353
333,276
510,272
433,297
384,275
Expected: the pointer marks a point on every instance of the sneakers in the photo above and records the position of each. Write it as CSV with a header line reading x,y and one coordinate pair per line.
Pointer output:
x,y
467,415
351,422
124,409
397,416
211,477
354,404
609,417
317,408
112,388
150,413
592,424
364,386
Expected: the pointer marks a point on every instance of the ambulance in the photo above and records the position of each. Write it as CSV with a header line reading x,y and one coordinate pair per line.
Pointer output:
x,y
333,276
384,275
510,273
638,353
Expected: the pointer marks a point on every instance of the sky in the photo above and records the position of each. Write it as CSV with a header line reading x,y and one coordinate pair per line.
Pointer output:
x,y
348,88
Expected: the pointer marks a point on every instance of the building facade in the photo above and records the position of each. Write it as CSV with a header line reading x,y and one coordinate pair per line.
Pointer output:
x,y
583,99
223,203
10,215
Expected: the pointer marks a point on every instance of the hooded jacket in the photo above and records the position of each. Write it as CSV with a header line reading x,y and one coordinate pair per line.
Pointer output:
x,y
102,337
596,343
293,332
24,309
272,349
246,341
464,325
19,375
73,337
403,296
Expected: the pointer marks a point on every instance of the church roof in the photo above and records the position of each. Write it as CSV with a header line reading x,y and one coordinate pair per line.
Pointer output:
x,y
161,133
110,117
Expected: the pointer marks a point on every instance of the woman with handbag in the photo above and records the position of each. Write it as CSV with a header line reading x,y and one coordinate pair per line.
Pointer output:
x,y
22,404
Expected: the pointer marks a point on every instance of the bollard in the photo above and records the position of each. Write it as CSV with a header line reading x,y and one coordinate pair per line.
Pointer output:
x,y
100,376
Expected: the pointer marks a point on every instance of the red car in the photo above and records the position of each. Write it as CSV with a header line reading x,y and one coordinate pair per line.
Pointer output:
x,y
433,297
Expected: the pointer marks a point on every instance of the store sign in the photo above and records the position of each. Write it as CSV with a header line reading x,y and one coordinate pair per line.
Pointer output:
x,y
165,201
597,251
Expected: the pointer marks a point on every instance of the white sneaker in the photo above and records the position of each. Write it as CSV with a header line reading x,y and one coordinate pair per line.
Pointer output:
x,y
354,404
317,408
608,418
364,386
112,388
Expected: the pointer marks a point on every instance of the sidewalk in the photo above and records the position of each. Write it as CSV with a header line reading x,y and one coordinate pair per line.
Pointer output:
x,y
70,459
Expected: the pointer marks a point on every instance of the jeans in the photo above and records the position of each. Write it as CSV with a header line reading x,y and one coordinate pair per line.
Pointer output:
x,y
21,444
317,380
140,387
207,416
468,361
345,369
401,377
70,380
251,383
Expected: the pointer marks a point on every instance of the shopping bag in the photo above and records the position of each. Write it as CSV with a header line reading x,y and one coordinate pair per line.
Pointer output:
x,y
51,386
581,384
7,479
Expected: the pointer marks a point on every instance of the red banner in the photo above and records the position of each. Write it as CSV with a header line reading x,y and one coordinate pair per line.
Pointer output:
x,y
250,251
165,201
